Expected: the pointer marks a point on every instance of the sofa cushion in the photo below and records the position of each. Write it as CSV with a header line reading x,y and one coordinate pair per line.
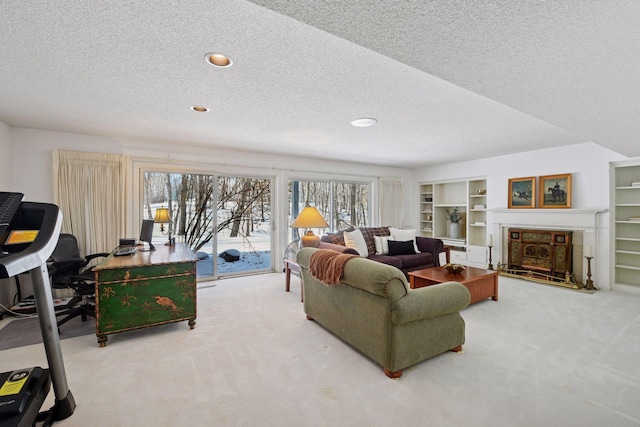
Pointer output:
x,y
404,235
338,248
354,239
401,248
369,232
386,259
415,260
382,245
336,238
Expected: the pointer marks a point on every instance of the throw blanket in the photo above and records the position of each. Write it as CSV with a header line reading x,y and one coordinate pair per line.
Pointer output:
x,y
327,266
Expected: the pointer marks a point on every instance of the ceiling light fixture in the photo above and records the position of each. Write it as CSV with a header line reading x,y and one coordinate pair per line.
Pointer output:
x,y
199,108
364,122
219,60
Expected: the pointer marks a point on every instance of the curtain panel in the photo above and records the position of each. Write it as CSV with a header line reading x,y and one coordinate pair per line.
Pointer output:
x,y
89,189
391,202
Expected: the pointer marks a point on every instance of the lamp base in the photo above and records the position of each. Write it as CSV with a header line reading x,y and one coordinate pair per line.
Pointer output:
x,y
309,240
171,242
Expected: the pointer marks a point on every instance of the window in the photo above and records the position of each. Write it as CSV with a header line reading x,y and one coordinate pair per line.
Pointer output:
x,y
341,203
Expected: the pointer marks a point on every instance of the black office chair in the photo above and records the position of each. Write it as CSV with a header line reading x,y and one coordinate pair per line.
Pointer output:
x,y
68,271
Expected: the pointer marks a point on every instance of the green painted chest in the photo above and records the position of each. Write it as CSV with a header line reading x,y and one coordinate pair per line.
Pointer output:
x,y
145,289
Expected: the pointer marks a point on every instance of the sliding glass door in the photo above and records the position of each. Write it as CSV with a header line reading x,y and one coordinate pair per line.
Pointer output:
x,y
225,220
342,204
243,224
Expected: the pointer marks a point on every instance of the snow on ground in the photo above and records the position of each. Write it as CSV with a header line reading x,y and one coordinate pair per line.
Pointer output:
x,y
255,250
248,261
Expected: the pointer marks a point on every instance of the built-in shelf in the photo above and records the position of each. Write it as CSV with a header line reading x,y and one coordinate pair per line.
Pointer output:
x,y
625,235
628,267
629,239
465,195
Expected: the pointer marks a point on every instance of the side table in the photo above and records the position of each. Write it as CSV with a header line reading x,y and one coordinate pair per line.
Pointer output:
x,y
289,266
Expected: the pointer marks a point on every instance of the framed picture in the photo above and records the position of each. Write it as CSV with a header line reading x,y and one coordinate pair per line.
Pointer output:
x,y
522,192
555,191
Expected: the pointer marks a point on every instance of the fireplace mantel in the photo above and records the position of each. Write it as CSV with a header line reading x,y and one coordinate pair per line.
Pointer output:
x,y
584,220
569,218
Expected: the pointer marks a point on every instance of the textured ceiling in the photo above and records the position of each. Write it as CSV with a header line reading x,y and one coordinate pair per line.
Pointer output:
x,y
447,81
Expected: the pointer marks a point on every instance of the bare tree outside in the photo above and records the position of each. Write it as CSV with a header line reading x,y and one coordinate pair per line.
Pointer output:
x,y
201,206
342,204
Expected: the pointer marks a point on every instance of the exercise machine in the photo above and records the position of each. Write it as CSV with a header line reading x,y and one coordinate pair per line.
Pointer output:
x,y
28,235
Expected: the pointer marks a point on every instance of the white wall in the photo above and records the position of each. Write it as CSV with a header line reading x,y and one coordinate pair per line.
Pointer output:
x,y
30,167
5,154
588,162
30,171
31,158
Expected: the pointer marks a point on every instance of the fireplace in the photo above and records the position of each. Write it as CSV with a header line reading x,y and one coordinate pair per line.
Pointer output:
x,y
547,252
580,224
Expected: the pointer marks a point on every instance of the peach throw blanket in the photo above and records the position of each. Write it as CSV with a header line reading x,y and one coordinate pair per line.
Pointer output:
x,y
327,266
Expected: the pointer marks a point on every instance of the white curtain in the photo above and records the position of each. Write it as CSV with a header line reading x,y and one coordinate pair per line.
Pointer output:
x,y
89,189
391,202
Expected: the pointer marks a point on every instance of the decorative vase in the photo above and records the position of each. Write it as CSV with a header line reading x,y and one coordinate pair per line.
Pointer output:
x,y
454,230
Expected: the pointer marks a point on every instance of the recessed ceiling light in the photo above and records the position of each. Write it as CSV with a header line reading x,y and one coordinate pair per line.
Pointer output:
x,y
218,59
364,122
199,108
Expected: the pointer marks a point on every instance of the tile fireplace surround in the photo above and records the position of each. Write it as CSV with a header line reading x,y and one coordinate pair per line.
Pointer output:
x,y
585,223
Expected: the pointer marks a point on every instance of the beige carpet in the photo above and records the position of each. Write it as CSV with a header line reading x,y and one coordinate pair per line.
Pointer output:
x,y
541,356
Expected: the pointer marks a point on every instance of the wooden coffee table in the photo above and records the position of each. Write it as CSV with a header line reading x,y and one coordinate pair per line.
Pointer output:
x,y
482,284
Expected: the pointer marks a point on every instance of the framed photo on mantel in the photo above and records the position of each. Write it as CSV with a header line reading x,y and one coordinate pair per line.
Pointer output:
x,y
522,193
555,191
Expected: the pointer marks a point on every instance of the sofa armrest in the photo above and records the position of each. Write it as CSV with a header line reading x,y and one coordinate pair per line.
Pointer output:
x,y
430,301
432,246
337,248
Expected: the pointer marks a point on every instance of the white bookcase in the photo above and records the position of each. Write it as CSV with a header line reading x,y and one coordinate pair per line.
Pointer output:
x,y
469,197
426,210
447,197
625,224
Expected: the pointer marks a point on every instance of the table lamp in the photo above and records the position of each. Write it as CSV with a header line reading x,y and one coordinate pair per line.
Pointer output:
x,y
309,218
162,218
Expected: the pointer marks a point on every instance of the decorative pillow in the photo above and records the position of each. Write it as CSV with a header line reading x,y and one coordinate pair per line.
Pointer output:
x,y
370,232
404,235
337,237
382,245
354,239
401,248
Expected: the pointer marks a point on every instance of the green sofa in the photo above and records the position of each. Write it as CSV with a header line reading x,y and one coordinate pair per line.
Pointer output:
x,y
374,310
